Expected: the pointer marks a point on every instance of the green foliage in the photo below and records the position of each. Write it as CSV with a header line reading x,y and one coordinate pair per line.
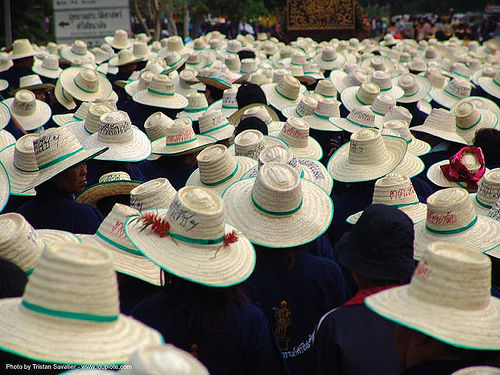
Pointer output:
x,y
27,17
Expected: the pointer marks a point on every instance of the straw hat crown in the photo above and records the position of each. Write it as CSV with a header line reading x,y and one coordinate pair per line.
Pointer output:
x,y
157,124
229,98
395,190
295,132
156,193
327,107
21,48
197,102
24,103
399,128
278,154
441,119
112,228
326,88
233,63
24,154
367,93
458,88
94,114
180,130
489,188
306,106
115,127
249,143
381,79
161,85
382,104
259,112
367,147
288,87
216,164
362,116
467,115
212,121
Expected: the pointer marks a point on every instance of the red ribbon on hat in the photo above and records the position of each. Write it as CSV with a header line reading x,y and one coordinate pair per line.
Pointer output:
x,y
456,171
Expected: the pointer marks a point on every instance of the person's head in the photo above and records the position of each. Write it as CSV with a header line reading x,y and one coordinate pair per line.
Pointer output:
x,y
72,180
250,93
213,94
25,62
246,54
251,123
489,141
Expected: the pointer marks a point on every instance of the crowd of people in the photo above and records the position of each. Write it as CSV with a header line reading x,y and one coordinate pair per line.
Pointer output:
x,y
243,206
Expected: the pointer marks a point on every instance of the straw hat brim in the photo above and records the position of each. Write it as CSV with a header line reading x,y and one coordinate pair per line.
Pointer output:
x,y
114,61
349,98
303,226
484,235
18,179
276,100
50,236
160,147
388,64
489,86
471,329
316,172
269,140
424,106
436,176
105,68
61,120
318,123
48,73
416,212
70,56
440,96
244,165
222,133
36,336
488,120
341,169
78,130
337,76
313,150
138,148
3,84
4,115
418,147
132,88
424,87
235,118
348,126
221,85
21,56
42,87
6,139
4,186
96,192
175,101
290,111
6,65
194,116
67,81
110,39
410,166
55,169
65,100
208,265
449,136
330,65
35,120
480,207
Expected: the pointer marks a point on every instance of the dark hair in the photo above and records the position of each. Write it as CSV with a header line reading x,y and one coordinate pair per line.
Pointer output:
x,y
12,279
489,141
288,255
246,54
250,93
215,93
251,123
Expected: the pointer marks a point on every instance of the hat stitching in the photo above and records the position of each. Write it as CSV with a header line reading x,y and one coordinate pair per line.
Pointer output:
x,y
81,88
286,97
181,143
470,127
359,100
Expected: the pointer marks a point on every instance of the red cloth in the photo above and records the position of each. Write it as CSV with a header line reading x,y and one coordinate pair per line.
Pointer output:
x,y
360,296
458,172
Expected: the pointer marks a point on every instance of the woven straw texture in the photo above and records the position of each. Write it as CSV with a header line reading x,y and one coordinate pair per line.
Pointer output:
x,y
156,193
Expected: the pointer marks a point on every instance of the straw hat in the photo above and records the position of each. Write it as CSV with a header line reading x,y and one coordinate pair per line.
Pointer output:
x,y
229,104
216,78
233,63
125,141
215,124
217,168
305,107
251,142
6,138
34,83
28,111
197,245
435,76
396,190
161,93
48,67
119,40
284,93
110,184
77,51
295,133
488,192
470,119
84,129
21,48
156,193
85,84
487,71
278,208
140,84
478,370
387,85
342,80
326,89
179,138
368,156
60,300
5,62
197,106
448,298
79,115
101,55
441,123
456,89
184,81
491,85
124,57
63,97
141,50
382,104
359,95
359,118
451,217
378,63
320,118
312,70
400,128
4,116
415,87
329,59
260,111
480,102
175,44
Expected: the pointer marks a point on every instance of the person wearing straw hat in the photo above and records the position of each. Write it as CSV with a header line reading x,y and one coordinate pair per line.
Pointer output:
x,y
488,192
351,339
22,57
470,119
215,82
62,304
197,106
155,193
215,124
201,308
61,162
28,112
119,40
445,317
282,215
284,93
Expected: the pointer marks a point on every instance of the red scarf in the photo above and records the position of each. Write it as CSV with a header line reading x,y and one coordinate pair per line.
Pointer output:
x,y
457,172
360,296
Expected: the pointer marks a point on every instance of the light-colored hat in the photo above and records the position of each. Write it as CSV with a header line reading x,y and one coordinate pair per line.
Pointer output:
x,y
6,138
119,40
415,87
233,63
260,111
305,107
215,124
487,71
451,217
229,104
295,132
196,243
368,156
4,116
85,84
396,190
156,193
284,93
197,106
278,208
63,97
140,84
125,141
456,89
359,118
436,175
180,138
62,304
362,95
312,70
5,62
378,63
382,104
488,192
161,93
20,162
320,118
21,48
435,75
124,57
478,370
172,60
48,67
175,44
491,85
441,123
34,83
217,168
77,51
470,119
448,298
329,59
126,258
28,111
217,78
400,128
326,89
100,55
156,125
141,50
84,129
4,85
383,80
184,82
342,80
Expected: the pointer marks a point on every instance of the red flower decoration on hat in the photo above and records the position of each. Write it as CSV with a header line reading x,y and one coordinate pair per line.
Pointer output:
x,y
158,225
456,171
230,238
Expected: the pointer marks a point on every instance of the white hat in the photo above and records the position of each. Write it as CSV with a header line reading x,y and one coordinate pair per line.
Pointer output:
x,y
161,93
488,192
140,84
456,89
329,59
378,63
156,193
478,370
184,82
5,62
382,104
305,107
320,118
362,95
215,124
192,240
284,93
368,156
34,83
229,104
4,115
448,298
491,85
84,129
28,111
175,44
48,67
359,118
441,123
77,51
260,111
295,132
63,97
470,119
141,50
21,48
119,40
217,78
387,85
415,87
85,84
342,80
278,208
124,57
197,106
79,115
400,128
125,141
100,54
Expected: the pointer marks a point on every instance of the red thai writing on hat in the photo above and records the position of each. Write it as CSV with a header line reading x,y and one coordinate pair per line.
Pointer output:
x,y
183,135
117,229
423,271
401,193
440,219
294,132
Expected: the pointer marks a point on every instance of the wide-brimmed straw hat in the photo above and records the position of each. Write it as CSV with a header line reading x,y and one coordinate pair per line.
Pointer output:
x,y
360,117
329,59
415,87
284,93
28,111
478,370
454,90
180,138
441,123
20,163
90,125
5,187
260,111
216,78
109,185
278,208
140,84
5,62
400,128
295,133
72,298
124,57
21,48
63,97
119,40
125,141
382,104
156,193
197,106
378,63
126,258
4,115
161,93
48,67
194,242
491,85
469,119
85,84
141,50
251,142
488,192
396,190
325,89
362,95
320,118
76,51
387,85
451,217
448,298
56,150
215,124
184,82
305,107
217,168
342,80
368,156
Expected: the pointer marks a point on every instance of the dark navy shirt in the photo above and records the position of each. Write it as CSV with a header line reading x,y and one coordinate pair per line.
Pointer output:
x,y
173,170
